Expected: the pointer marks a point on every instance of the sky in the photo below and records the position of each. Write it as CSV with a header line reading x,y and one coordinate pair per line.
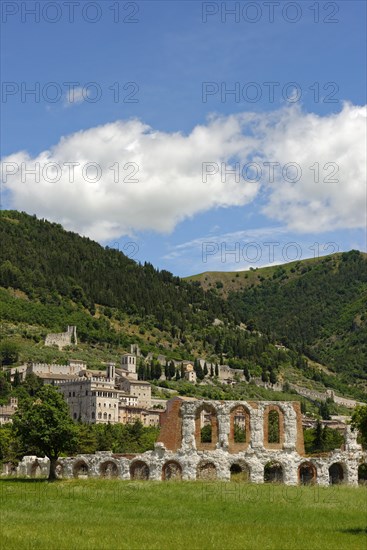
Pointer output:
x,y
198,136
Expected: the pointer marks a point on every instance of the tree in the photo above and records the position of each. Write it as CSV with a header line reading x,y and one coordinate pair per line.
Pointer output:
x,y
324,411
273,377
9,352
44,422
359,422
5,387
17,380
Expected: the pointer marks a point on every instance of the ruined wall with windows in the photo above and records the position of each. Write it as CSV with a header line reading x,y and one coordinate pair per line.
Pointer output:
x,y
253,441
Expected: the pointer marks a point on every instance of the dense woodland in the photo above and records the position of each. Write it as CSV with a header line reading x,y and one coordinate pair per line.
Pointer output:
x,y
321,309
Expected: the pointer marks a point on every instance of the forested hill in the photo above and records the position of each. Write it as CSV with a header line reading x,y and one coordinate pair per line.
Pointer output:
x,y
318,305
45,261
314,307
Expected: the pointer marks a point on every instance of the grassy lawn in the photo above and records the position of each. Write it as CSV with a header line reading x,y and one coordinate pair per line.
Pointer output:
x,y
101,514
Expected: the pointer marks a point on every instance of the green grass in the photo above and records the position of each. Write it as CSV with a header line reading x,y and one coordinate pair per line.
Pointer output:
x,y
106,514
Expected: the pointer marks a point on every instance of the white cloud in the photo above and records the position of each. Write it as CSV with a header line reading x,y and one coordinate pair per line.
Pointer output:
x,y
168,167
338,144
74,96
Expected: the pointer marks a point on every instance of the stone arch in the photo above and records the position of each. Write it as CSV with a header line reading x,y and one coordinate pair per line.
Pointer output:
x,y
139,470
172,470
307,473
273,436
336,473
206,427
36,470
206,470
108,469
362,473
59,470
273,472
80,469
239,471
239,428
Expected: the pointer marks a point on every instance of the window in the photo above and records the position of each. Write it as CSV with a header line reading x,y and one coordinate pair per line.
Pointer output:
x,y
273,427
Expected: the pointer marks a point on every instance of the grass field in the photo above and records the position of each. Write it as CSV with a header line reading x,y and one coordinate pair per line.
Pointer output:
x,y
108,514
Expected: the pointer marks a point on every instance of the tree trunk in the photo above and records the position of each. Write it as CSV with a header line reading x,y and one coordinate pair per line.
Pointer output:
x,y
52,475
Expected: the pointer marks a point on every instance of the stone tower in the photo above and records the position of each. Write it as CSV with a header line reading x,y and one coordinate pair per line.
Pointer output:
x,y
128,364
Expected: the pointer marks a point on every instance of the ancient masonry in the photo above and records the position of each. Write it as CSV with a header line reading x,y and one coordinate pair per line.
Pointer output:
x,y
62,339
199,440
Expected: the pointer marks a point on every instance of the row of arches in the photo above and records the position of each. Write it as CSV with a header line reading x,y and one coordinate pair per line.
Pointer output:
x,y
207,470
206,427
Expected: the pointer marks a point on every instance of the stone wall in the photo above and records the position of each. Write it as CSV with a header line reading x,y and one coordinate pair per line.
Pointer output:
x,y
62,339
179,454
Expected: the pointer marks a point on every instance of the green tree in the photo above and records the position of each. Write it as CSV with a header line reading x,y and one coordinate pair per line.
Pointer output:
x,y
44,422
16,380
9,352
273,427
273,377
324,411
206,433
5,388
359,422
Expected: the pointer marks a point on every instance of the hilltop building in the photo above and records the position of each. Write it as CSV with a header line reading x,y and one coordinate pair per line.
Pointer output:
x,y
62,339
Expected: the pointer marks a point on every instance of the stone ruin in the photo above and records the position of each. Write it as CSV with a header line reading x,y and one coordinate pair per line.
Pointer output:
x,y
62,339
254,441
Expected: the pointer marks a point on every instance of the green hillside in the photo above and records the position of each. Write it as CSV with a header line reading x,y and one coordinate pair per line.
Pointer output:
x,y
318,306
51,278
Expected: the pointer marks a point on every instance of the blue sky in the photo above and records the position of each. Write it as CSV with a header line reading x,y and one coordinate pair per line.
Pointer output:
x,y
172,63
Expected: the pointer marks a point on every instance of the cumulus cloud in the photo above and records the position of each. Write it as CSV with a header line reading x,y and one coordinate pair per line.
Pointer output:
x,y
328,190
124,177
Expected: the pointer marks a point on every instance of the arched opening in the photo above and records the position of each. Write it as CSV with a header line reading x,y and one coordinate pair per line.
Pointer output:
x,y
239,430
36,470
307,473
336,474
273,472
273,427
240,472
81,469
362,474
108,469
139,470
206,471
206,427
59,470
172,470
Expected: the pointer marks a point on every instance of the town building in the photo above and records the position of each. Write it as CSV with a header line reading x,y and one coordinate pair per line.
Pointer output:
x,y
7,411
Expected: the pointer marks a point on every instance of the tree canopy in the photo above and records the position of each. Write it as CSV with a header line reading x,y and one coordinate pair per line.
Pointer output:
x,y
43,422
